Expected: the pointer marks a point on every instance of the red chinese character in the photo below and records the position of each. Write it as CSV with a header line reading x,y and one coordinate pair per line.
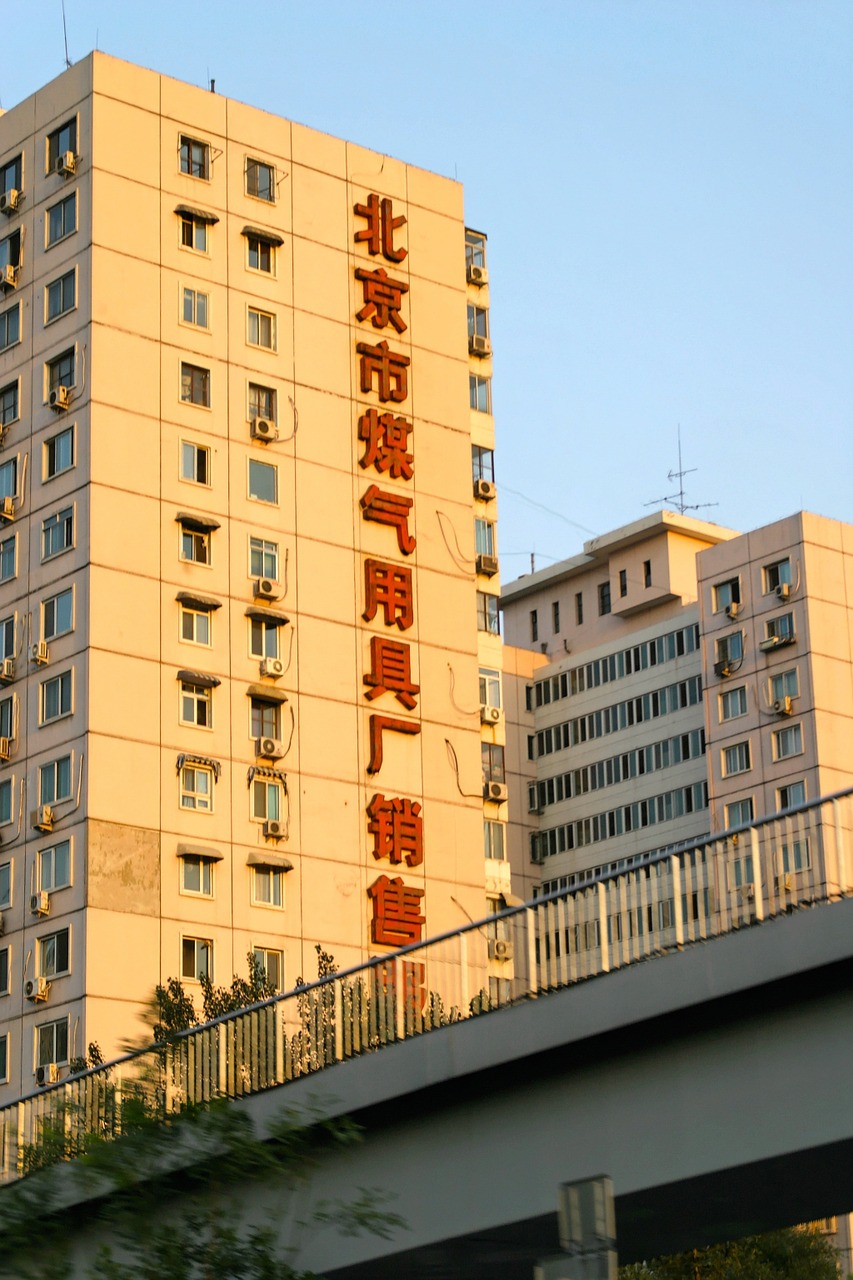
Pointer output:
x,y
387,437
381,225
393,509
389,366
383,298
391,671
397,915
388,587
397,829
377,726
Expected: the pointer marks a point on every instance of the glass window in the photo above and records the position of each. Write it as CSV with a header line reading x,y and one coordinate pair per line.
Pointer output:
x,y
196,705
578,607
788,742
10,250
194,309
266,799
781,628
729,648
488,616
195,546
263,639
263,481
8,558
10,175
260,180
60,296
57,614
268,886
4,973
55,781
52,1042
490,687
5,884
739,812
10,327
62,219
272,963
61,371
475,248
59,453
494,834
482,464
193,233
197,876
263,559
788,797
733,703
534,625
261,331
784,685
9,403
777,575
195,463
493,762
555,616
260,254
480,395
57,533
726,594
261,402
7,637
623,583
195,625
61,140
603,598
4,1058
196,958
53,957
197,788
478,322
736,758
6,800
56,697
9,478
195,157
54,866
484,537
265,719
195,385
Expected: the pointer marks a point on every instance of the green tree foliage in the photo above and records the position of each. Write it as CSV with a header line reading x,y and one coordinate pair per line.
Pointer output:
x,y
174,1011
796,1253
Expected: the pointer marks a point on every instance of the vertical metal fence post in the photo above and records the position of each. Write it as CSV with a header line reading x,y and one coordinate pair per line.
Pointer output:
x,y
604,944
677,904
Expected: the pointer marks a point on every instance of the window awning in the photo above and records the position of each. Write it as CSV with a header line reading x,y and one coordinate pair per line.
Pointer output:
x,y
267,615
201,524
200,215
200,678
266,692
266,771
199,851
195,601
263,859
258,233
206,761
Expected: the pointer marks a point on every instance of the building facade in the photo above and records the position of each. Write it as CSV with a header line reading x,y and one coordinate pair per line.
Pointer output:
x,y
241,608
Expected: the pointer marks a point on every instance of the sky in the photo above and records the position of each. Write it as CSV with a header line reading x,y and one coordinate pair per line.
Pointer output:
x,y
667,188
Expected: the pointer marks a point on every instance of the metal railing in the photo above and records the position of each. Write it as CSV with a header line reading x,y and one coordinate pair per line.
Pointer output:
x,y
692,893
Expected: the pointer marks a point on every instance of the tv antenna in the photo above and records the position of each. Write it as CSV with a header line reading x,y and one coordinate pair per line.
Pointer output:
x,y
678,498
65,34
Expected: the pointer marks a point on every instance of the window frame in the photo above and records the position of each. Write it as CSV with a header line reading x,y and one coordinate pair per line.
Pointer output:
x,y
55,885
781,627
263,547
776,573
187,792
258,165
62,205
15,169
196,540
188,292
59,1053
267,634
202,964
259,467
63,522
6,882
66,433
199,380
736,758
7,328
267,787
54,375
490,828
46,633
261,319
193,234
186,611
794,732
205,868
479,394
50,968
13,413
747,802
491,691
44,773
260,954
788,787
54,147
264,718
275,878
195,705
605,601
268,394
782,678
488,613
729,695
187,164
64,681
197,453
65,306
8,574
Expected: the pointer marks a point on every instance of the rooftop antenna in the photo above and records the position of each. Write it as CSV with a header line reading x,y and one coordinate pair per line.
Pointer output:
x,y
65,34
678,498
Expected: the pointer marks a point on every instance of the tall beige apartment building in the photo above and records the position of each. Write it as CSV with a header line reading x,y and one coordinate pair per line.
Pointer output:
x,y
247,560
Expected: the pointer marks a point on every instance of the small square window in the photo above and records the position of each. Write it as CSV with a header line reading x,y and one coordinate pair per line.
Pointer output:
x,y
267,795
59,453
11,175
61,140
10,250
263,481
60,372
195,308
784,685
10,326
57,533
788,742
726,594
53,954
729,649
57,615
790,796
54,866
781,628
261,402
263,640
60,296
195,546
197,788
194,233
194,157
52,1042
739,812
260,255
263,559
196,958
260,180
268,886
9,404
777,575
61,219
195,462
733,703
265,719
195,626
603,598
55,781
196,705
261,329
195,385
56,697
197,876
272,964
736,759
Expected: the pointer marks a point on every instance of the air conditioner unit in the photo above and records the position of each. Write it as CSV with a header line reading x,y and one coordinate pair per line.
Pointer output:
x,y
496,791
270,748
9,201
42,818
785,882
272,667
263,429
487,565
477,275
479,346
500,949
7,670
48,1074
36,989
783,590
66,163
40,903
485,490
264,589
5,748
723,668
490,715
537,858
746,892
784,706
59,398
7,508
274,829
733,609
39,653
8,276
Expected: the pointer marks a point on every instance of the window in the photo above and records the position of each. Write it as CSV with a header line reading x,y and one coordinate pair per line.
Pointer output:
x,y
579,607
10,326
195,545
494,839
52,1042
603,598
268,886
788,797
193,233
197,787
10,175
9,404
60,296
647,573
488,618
55,781
53,957
736,759
7,637
784,685
61,219
61,140
195,157
263,559
796,856
726,594
265,719
6,800
480,395
260,254
623,582
195,625
196,705
4,1058
534,624
7,714
484,537
10,250
261,329
490,687
59,453
263,638
788,742
555,616
272,963
739,813
9,478
478,322
263,481
61,371
4,971
57,615
781,628
195,462
729,648
5,884
197,876
261,402
482,463
196,958
475,249
195,385
57,533
260,180
194,308
56,697
776,575
266,799
8,557
54,866
733,703
493,762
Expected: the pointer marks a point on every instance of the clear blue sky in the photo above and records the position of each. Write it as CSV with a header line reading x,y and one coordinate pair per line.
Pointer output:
x,y
667,186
